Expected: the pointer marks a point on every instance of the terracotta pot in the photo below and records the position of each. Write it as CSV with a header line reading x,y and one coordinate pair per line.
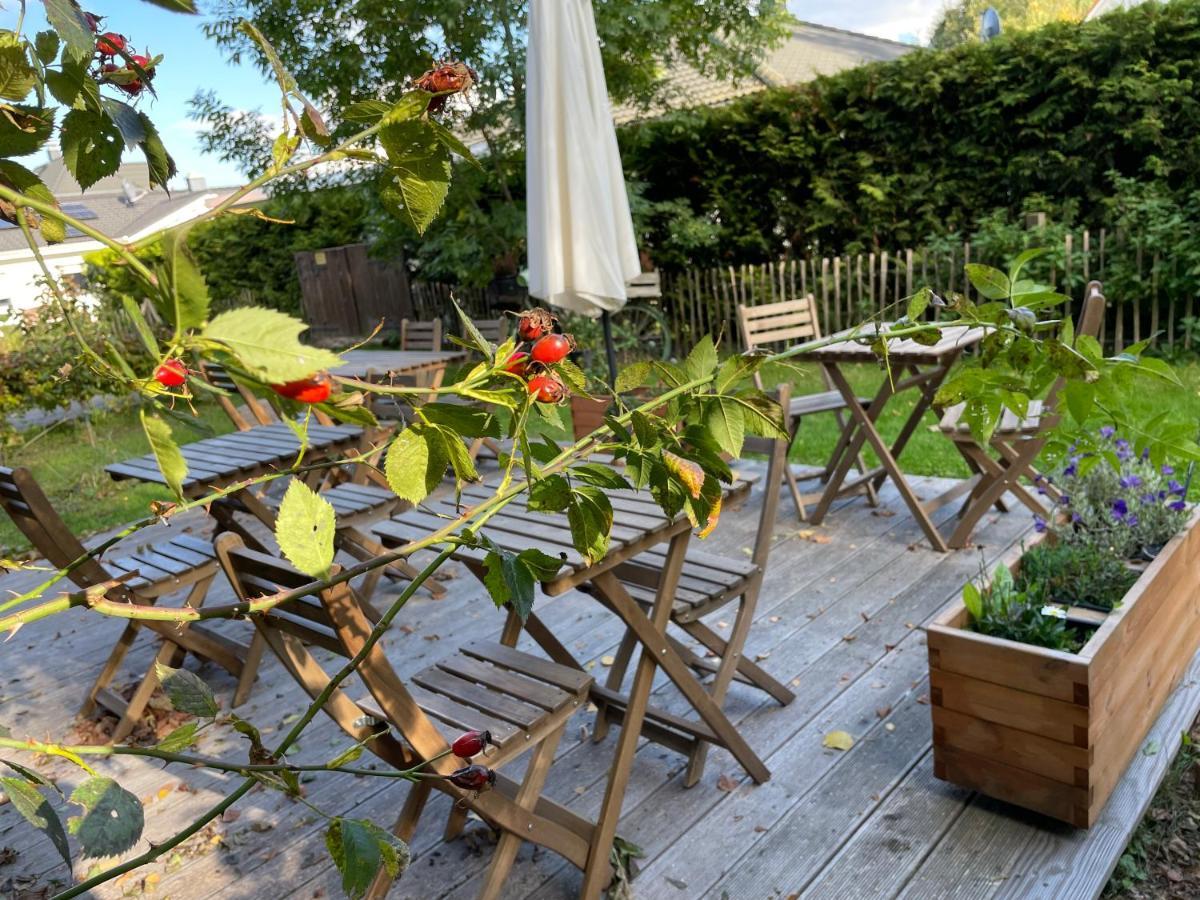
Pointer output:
x,y
587,415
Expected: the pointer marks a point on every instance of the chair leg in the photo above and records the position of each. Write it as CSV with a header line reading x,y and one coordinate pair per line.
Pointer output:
x,y
616,675
364,548
789,478
111,666
137,703
406,824
249,673
751,671
527,797
455,823
859,463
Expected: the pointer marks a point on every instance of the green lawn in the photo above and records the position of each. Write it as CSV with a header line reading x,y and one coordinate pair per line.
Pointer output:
x,y
69,458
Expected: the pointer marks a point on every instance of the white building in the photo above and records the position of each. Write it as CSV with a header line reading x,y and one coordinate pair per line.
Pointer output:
x,y
122,206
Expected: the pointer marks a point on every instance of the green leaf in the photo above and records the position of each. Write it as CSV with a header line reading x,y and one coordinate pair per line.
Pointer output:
x,y
726,422
267,343
359,850
186,285
30,803
91,146
166,453
347,756
179,6
466,421
365,112
66,18
419,177
24,129
19,178
918,303
286,82
416,462
972,600
180,739
702,360
17,76
512,578
601,476
460,458
282,149
590,515
991,283
162,166
304,529
187,691
632,376
112,821
1022,259
1080,397
453,144
550,494
410,106
46,46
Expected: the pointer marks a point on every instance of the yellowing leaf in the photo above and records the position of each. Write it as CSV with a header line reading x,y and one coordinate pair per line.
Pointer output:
x,y
686,471
714,516
838,740
304,529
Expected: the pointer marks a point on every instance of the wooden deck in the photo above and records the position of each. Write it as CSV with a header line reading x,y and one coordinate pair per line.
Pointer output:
x,y
840,618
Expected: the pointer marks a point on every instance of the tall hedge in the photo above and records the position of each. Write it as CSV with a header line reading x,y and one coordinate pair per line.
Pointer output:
x,y
886,154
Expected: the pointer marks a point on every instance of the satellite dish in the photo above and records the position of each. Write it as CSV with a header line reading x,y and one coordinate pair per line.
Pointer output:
x,y
991,24
131,193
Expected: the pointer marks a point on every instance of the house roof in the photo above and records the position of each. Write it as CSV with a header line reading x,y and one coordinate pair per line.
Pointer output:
x,y
105,205
808,51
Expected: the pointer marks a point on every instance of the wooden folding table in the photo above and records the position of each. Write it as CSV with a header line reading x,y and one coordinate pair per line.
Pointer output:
x,y
639,524
914,366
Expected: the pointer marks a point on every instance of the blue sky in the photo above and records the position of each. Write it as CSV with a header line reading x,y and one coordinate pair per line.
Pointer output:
x,y
192,62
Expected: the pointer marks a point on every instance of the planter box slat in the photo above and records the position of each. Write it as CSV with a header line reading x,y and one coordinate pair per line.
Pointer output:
x,y
1054,731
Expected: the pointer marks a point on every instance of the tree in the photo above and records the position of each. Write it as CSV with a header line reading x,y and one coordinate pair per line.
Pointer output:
x,y
960,22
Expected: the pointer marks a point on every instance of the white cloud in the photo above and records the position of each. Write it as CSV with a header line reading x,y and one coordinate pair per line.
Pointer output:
x,y
890,19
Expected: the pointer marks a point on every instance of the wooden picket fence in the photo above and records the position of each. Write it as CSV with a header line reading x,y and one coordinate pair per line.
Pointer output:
x,y
849,288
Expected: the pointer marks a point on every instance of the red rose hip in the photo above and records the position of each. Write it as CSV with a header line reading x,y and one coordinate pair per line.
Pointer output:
x,y
110,43
546,388
171,374
314,389
471,743
551,349
473,778
534,323
518,363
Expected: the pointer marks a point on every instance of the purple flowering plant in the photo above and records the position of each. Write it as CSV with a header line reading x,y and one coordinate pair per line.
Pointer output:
x,y
1115,497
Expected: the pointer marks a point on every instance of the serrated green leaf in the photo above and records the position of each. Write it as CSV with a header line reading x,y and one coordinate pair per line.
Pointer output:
x,y
410,106
1080,397
991,283
283,77
419,175
30,803
46,46
30,775
24,129
166,452
601,476
466,421
19,178
186,285
416,463
726,422
359,849
267,343
180,739
460,458
590,516
918,303
66,18
187,691
91,146
702,360
1022,259
17,76
512,577
113,819
366,112
305,528
550,494
632,376
161,164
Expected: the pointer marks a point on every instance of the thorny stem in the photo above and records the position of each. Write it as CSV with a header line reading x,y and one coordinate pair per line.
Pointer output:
x,y
157,850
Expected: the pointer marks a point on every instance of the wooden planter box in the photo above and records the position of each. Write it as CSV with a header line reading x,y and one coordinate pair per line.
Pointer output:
x,y
1053,731
587,415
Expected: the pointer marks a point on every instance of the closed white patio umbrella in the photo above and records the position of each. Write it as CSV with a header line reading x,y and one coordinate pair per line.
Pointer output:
x,y
581,245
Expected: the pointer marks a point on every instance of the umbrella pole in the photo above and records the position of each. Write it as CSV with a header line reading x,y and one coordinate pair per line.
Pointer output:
x,y
609,349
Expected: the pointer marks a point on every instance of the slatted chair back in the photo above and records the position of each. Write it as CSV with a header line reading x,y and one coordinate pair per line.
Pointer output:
x,y
785,322
416,335
494,331
31,511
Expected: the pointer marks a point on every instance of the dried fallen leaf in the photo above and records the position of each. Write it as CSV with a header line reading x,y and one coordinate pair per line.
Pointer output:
x,y
607,660
890,726
759,828
883,513
838,740
883,711
849,638
432,637
773,619
761,656
923,699
725,783
865,617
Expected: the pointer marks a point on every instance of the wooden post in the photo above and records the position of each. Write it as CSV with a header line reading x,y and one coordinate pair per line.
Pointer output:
x,y
883,281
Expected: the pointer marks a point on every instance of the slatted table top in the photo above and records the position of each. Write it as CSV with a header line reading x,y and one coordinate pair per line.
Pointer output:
x,y
637,522
360,363
217,461
954,339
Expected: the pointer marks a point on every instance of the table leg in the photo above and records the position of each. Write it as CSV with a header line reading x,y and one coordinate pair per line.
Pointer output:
x,y
853,436
893,469
635,712
924,402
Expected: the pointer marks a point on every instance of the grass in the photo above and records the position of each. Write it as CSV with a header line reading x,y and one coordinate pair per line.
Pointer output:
x,y
69,458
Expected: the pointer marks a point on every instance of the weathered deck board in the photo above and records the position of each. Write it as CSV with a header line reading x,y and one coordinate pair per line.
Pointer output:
x,y
839,620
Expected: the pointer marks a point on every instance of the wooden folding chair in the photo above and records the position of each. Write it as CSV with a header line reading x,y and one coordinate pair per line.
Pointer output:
x,y
787,322
149,573
522,700
361,501
1014,445
417,335
708,583
494,331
